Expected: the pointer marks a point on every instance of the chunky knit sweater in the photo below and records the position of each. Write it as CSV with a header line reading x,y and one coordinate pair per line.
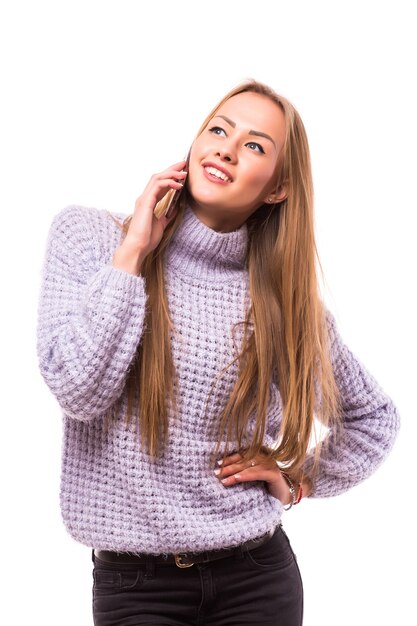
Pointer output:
x,y
91,319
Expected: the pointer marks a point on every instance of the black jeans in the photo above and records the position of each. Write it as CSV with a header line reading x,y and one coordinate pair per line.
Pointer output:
x,y
261,587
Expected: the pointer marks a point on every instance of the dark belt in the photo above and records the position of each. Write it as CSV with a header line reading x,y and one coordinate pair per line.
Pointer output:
x,y
184,559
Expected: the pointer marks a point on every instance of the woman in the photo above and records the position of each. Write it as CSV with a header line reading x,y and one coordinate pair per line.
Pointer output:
x,y
190,355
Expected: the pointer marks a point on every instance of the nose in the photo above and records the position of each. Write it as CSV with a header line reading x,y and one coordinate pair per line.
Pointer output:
x,y
226,152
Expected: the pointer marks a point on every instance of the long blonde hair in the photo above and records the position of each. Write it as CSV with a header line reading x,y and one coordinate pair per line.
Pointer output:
x,y
285,326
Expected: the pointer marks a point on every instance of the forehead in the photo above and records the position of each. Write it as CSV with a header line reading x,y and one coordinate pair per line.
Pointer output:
x,y
252,111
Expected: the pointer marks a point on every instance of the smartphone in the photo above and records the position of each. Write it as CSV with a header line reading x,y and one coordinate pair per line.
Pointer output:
x,y
173,195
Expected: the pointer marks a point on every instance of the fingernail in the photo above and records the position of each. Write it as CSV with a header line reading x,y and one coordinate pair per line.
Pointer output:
x,y
237,476
220,462
224,480
217,472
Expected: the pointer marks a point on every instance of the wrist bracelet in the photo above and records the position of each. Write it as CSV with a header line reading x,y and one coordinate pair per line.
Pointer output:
x,y
300,493
292,491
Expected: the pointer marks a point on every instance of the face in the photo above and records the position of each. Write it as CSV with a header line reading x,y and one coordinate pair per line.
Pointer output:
x,y
232,169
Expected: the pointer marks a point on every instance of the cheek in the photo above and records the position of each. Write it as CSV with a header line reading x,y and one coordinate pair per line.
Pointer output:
x,y
195,160
258,177
193,170
197,149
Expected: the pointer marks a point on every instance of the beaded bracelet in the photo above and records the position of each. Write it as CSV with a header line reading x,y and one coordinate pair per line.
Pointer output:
x,y
292,491
300,493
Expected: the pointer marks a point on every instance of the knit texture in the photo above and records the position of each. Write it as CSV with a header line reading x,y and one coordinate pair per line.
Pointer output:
x,y
90,322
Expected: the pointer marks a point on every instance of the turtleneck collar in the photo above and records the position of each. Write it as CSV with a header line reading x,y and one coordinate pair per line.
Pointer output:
x,y
206,254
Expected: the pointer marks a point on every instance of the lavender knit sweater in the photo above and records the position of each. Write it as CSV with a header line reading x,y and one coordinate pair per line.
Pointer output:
x,y
90,323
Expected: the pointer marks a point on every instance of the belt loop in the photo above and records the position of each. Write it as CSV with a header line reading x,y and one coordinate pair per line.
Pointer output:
x,y
150,567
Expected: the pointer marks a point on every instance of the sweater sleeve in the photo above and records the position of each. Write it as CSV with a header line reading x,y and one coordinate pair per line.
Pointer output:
x,y
90,314
370,424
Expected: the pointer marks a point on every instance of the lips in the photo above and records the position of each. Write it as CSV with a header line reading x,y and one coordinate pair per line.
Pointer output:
x,y
217,172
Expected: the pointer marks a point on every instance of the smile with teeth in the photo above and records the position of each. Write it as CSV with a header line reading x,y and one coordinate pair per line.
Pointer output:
x,y
217,173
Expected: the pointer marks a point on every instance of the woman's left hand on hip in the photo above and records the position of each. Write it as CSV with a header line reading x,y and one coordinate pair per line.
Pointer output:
x,y
236,470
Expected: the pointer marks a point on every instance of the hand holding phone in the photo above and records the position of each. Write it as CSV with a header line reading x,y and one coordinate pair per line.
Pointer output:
x,y
145,231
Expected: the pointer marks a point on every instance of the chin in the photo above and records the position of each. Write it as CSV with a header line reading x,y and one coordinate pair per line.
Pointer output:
x,y
207,200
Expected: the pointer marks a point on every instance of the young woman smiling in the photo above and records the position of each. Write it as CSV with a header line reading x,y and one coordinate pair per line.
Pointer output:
x,y
190,356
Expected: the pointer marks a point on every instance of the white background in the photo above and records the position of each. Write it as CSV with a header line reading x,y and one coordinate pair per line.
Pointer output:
x,y
96,96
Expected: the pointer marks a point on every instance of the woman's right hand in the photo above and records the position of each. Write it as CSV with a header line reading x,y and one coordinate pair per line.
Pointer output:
x,y
145,229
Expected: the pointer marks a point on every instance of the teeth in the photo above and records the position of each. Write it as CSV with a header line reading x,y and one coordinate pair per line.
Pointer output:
x,y
215,172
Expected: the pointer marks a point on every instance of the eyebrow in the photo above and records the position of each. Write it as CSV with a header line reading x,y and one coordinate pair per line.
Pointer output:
x,y
258,133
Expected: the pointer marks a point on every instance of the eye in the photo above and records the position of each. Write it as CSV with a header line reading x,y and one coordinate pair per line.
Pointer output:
x,y
256,147
216,130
